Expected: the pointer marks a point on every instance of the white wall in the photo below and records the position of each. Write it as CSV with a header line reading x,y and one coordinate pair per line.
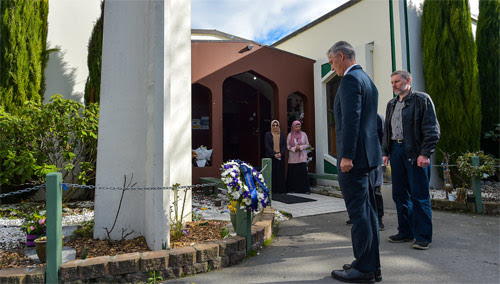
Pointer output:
x,y
70,25
370,38
144,114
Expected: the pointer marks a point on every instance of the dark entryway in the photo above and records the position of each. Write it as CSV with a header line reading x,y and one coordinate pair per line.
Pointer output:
x,y
331,91
247,112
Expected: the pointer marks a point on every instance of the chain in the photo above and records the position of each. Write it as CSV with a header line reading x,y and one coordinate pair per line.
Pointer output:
x,y
82,186
139,188
22,191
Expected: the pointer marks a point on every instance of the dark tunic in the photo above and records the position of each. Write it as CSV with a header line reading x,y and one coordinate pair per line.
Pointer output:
x,y
278,174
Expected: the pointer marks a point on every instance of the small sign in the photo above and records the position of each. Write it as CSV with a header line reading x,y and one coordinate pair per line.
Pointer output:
x,y
196,124
204,123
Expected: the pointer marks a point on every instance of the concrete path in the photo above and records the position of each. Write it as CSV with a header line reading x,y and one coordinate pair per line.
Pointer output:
x,y
322,205
466,249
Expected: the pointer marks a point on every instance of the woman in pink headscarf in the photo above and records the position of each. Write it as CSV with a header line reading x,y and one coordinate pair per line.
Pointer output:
x,y
297,143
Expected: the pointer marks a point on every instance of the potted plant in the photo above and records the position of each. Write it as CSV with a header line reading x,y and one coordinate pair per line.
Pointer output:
x,y
485,169
35,226
41,248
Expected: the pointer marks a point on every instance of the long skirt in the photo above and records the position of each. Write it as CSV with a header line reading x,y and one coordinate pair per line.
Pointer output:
x,y
279,181
297,179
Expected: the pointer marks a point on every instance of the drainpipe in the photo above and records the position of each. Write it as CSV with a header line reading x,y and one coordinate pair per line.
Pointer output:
x,y
393,49
407,37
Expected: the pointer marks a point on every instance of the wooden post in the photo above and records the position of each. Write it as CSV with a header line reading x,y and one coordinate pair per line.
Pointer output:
x,y
244,225
476,187
268,176
53,187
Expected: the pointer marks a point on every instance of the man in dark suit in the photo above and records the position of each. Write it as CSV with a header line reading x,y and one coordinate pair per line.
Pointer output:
x,y
359,153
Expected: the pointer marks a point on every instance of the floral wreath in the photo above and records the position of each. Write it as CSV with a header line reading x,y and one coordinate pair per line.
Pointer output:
x,y
239,176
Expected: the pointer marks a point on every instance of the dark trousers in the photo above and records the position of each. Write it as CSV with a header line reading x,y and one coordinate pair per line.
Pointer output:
x,y
410,192
379,202
360,203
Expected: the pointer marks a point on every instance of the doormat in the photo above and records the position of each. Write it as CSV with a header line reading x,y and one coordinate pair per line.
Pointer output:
x,y
290,199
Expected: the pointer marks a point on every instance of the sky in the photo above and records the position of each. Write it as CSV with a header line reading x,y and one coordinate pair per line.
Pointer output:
x,y
264,21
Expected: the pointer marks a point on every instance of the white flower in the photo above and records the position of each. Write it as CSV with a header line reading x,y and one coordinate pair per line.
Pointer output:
x,y
235,195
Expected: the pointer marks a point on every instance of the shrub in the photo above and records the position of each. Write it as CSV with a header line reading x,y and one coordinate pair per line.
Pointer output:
x,y
39,139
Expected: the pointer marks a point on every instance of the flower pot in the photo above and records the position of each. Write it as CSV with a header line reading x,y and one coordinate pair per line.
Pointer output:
x,y
41,250
30,240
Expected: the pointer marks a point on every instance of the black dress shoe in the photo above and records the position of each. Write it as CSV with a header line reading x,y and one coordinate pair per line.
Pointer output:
x,y
378,272
353,275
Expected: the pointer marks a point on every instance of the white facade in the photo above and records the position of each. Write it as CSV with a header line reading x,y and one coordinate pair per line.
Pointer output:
x,y
70,25
145,120
371,38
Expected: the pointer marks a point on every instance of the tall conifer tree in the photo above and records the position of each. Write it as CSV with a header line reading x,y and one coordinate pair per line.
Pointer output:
x,y
450,72
23,28
94,60
488,60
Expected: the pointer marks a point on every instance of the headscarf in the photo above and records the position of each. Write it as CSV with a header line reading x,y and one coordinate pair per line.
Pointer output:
x,y
276,136
295,134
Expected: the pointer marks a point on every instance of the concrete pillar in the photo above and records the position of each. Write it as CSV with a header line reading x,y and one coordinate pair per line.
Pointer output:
x,y
145,117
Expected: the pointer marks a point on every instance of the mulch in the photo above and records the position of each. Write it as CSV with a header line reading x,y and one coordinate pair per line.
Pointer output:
x,y
195,232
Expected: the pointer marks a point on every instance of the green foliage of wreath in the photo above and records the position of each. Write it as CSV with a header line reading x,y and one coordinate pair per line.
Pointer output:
x,y
486,165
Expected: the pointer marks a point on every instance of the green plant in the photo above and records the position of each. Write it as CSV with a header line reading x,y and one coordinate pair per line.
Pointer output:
x,y
488,61
486,165
268,241
224,232
23,28
493,134
154,277
39,139
94,61
86,229
34,223
252,253
197,216
450,72
176,224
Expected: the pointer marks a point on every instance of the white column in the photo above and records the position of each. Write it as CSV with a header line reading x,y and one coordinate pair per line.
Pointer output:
x,y
145,118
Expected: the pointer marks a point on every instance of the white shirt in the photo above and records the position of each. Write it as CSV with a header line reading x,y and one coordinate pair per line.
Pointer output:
x,y
350,67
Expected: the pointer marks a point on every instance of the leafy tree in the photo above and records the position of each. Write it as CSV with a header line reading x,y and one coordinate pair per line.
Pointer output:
x,y
488,59
23,28
450,72
46,138
94,60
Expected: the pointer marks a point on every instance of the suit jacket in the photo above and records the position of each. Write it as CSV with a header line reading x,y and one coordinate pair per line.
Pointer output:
x,y
355,109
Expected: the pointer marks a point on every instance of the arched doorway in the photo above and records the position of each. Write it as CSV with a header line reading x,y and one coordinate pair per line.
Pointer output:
x,y
295,105
247,111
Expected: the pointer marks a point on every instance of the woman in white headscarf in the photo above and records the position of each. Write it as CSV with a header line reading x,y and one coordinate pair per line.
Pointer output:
x,y
275,146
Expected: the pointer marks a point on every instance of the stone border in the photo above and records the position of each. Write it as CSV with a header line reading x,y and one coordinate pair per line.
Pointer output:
x,y
135,267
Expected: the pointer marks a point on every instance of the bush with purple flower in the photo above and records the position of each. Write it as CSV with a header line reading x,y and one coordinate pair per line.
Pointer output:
x,y
35,223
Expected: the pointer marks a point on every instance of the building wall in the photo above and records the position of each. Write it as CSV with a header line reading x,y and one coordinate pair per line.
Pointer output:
x,y
214,62
70,25
371,39
373,26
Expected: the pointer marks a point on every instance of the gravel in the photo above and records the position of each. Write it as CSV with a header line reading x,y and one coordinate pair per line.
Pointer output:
x,y
13,237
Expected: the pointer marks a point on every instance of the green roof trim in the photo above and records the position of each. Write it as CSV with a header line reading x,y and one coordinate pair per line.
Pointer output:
x,y
325,68
329,168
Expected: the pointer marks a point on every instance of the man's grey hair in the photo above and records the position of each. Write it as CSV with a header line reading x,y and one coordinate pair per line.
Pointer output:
x,y
403,73
344,48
